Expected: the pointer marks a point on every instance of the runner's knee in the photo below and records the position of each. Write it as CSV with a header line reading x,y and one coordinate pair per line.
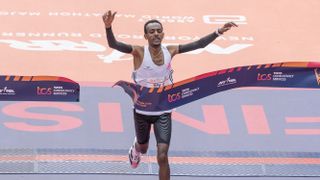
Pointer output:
x,y
162,155
162,158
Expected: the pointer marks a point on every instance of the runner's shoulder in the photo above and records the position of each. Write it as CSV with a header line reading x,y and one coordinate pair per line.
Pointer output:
x,y
137,50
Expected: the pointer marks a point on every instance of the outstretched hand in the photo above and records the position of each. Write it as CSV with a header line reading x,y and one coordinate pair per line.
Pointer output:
x,y
227,27
108,18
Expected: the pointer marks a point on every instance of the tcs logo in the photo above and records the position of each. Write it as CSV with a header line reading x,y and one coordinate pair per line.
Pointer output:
x,y
44,91
174,97
264,77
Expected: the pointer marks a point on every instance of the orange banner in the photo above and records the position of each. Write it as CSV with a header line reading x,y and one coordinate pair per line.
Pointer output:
x,y
68,38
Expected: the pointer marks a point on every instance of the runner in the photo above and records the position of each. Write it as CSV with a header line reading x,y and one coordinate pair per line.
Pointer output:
x,y
152,68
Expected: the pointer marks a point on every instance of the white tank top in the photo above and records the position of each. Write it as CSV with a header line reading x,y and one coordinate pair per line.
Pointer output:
x,y
151,75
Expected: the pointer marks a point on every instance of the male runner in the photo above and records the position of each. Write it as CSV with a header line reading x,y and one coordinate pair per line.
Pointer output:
x,y
152,68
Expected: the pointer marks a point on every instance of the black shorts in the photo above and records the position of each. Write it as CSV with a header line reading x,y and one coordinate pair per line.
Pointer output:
x,y
161,126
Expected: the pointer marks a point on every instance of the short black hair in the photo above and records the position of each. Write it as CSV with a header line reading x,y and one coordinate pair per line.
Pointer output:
x,y
151,21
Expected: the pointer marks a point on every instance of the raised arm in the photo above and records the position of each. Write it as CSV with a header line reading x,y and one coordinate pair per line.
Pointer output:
x,y
203,42
108,18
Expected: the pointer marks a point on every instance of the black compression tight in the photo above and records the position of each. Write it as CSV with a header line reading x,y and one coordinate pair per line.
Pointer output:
x,y
161,124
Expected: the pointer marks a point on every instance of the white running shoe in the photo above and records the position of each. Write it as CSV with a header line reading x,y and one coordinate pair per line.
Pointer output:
x,y
134,155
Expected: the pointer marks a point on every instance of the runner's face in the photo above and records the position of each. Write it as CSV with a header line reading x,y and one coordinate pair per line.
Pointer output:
x,y
154,34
